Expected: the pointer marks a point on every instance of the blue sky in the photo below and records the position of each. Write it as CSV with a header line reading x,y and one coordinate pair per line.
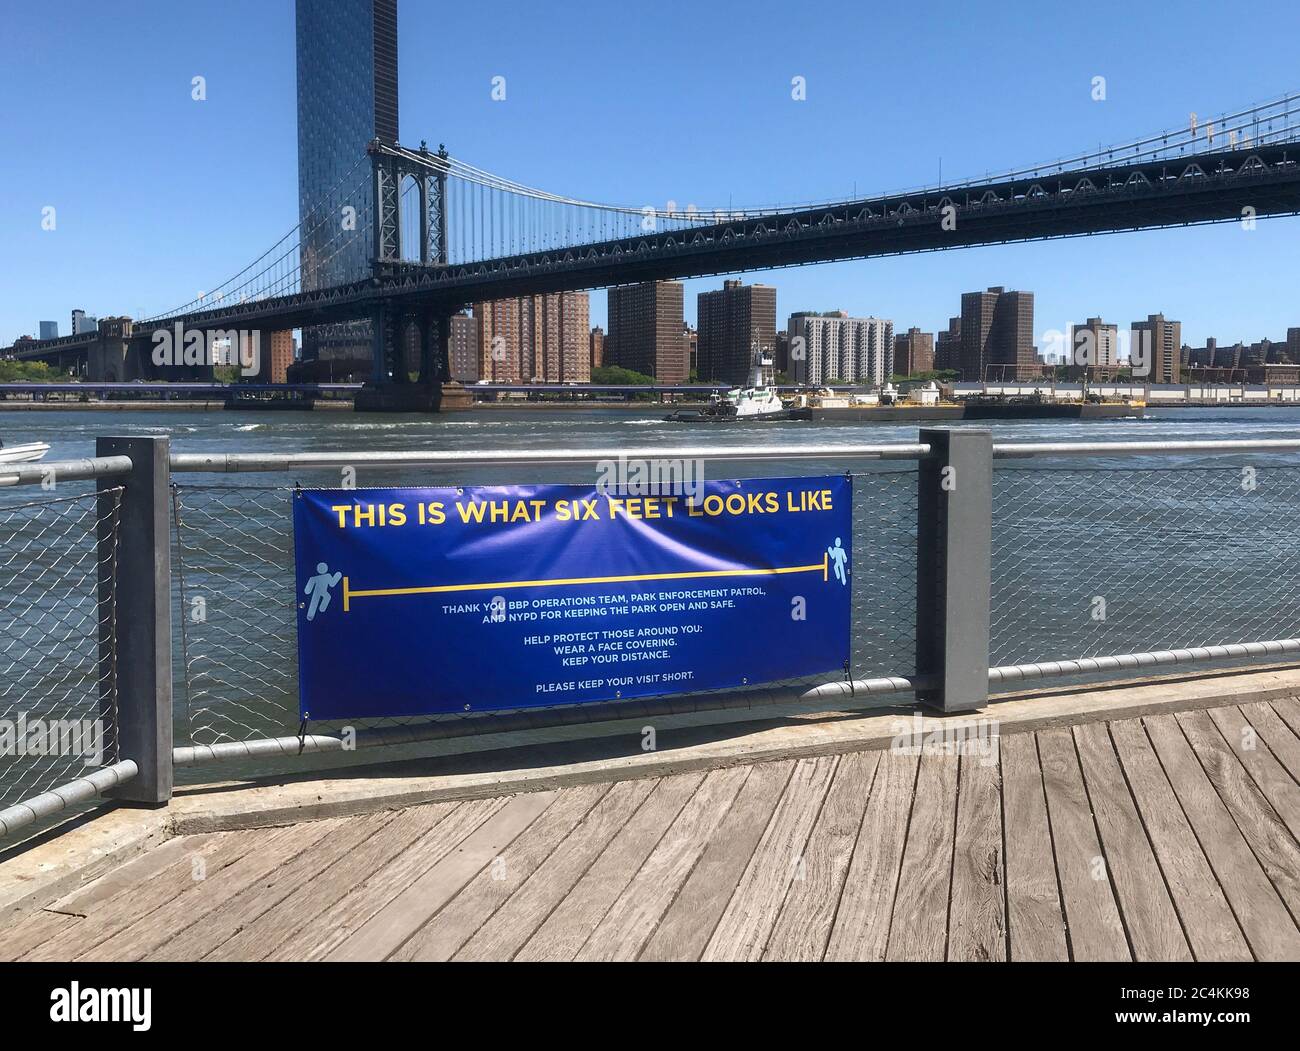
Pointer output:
x,y
159,196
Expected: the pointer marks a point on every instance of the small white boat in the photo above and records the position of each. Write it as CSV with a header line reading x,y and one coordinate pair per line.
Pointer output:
x,y
29,453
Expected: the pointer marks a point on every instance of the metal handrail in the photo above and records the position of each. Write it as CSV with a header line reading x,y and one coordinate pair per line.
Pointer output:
x,y
231,463
28,811
1128,661
238,462
1016,450
64,470
570,715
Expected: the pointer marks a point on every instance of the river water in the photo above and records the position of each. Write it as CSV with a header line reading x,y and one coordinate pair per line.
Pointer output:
x,y
72,433
1091,557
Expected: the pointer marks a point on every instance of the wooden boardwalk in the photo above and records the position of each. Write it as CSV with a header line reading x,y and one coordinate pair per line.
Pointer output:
x,y
1171,837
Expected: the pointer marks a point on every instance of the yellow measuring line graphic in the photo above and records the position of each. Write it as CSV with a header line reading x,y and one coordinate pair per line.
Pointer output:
x,y
822,567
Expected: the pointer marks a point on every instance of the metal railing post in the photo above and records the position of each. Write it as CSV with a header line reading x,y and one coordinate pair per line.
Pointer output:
x,y
954,533
142,647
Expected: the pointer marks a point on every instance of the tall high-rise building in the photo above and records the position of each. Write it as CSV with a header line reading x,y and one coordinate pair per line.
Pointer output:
x,y
997,329
1225,357
913,352
568,338
83,322
1155,349
498,340
597,345
463,348
49,330
736,323
542,338
1260,353
1094,345
835,348
646,330
692,339
947,347
278,356
347,95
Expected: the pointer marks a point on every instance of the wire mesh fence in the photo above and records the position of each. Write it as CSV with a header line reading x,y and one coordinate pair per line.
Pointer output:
x,y
234,599
1101,561
58,632
235,662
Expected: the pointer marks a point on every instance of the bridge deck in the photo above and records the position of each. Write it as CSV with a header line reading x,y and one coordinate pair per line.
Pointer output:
x,y
1174,836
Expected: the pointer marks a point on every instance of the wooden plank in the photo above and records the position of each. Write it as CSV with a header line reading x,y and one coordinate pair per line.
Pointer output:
x,y
684,930
161,925
1255,903
571,924
439,939
746,922
324,935
84,900
1274,846
257,935
918,929
298,919
977,926
1094,928
1288,710
447,830
1148,912
224,922
1206,916
513,923
383,934
33,931
1035,919
861,930
1280,738
303,907
54,919
129,905
1250,744
632,918
803,926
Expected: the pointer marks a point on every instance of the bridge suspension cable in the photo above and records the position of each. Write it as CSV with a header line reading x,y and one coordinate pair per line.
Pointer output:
x,y
488,216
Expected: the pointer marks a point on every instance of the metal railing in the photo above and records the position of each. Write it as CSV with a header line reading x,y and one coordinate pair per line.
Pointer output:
x,y
978,566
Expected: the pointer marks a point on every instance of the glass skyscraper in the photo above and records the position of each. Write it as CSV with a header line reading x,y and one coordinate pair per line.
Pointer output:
x,y
347,95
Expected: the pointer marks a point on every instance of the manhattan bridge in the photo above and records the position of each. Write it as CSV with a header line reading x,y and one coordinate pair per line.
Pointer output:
x,y
443,234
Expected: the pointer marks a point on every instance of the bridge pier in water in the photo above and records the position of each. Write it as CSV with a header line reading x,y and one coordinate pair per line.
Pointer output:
x,y
392,387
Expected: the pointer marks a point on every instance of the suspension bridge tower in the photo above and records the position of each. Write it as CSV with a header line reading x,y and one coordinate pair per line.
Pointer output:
x,y
399,325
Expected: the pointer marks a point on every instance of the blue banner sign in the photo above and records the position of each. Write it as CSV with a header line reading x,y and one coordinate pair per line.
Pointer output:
x,y
419,601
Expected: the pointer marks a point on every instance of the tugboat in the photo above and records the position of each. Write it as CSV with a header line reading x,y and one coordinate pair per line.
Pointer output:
x,y
29,453
758,401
